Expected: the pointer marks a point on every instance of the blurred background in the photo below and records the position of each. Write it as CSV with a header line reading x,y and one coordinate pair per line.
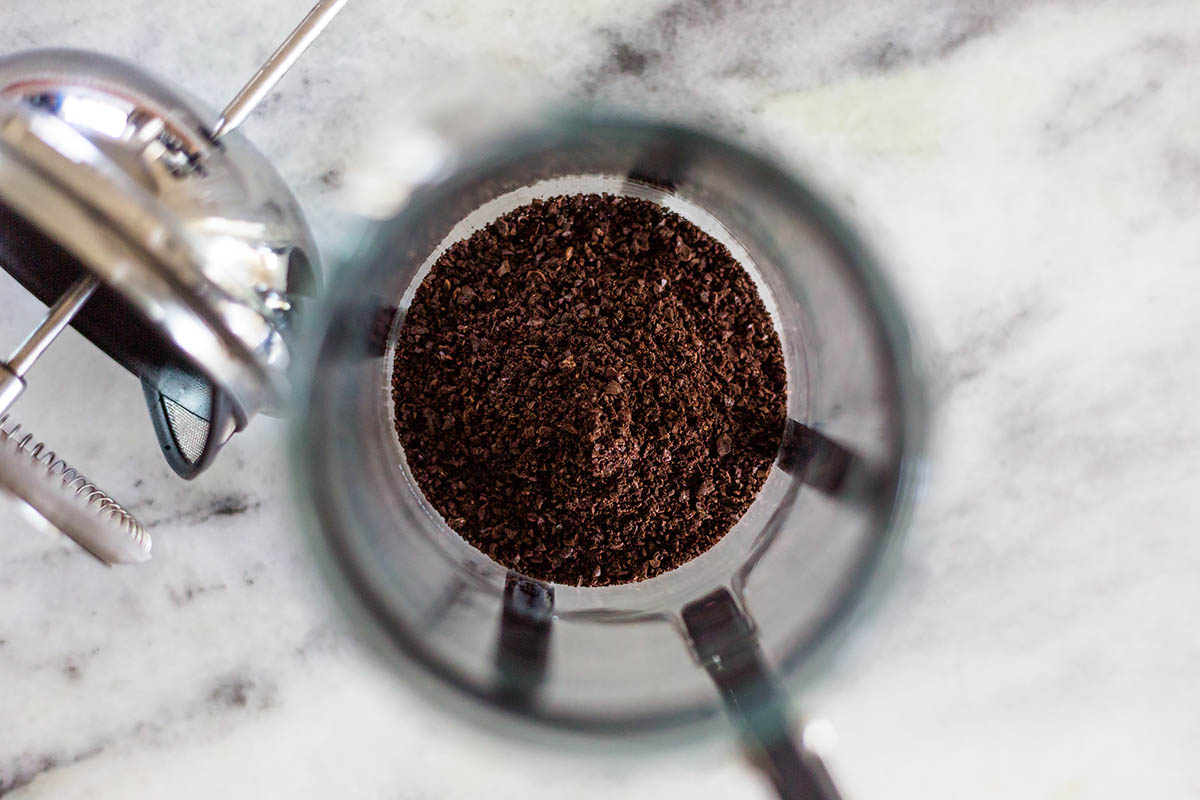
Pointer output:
x,y
1030,174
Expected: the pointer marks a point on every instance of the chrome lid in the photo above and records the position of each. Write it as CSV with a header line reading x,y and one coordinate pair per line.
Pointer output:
x,y
200,247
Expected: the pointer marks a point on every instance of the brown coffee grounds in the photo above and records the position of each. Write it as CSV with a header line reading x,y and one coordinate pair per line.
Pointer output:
x,y
589,390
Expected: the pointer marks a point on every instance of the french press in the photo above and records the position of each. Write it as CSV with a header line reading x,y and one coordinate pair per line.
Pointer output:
x,y
730,631
162,235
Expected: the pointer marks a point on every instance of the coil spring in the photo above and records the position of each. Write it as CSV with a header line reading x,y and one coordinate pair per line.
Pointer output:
x,y
73,482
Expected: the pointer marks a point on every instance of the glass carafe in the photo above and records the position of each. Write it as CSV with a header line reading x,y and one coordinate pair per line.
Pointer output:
x,y
731,631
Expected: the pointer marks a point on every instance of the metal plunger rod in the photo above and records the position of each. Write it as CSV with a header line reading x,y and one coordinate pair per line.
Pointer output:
x,y
277,66
12,372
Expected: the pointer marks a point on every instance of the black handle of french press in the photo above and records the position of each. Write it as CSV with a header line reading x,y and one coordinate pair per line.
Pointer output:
x,y
724,638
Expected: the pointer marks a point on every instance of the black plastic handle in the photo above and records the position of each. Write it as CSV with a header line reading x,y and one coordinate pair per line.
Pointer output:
x,y
725,640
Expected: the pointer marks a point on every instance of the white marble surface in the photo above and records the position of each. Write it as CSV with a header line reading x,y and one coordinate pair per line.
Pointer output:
x,y
1031,170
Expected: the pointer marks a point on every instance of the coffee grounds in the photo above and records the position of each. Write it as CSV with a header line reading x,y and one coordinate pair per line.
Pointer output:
x,y
589,390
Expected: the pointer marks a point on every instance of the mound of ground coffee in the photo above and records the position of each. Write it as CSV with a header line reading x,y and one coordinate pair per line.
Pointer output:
x,y
589,390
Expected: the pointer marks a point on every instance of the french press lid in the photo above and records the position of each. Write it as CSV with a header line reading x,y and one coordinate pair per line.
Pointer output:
x,y
197,249
173,246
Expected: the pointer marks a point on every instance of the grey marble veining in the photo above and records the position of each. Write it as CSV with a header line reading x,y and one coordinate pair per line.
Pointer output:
x,y
1030,172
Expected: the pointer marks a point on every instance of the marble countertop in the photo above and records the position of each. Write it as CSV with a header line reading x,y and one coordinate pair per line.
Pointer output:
x,y
1031,171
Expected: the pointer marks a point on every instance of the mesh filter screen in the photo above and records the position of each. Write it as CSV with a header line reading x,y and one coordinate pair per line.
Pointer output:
x,y
189,430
